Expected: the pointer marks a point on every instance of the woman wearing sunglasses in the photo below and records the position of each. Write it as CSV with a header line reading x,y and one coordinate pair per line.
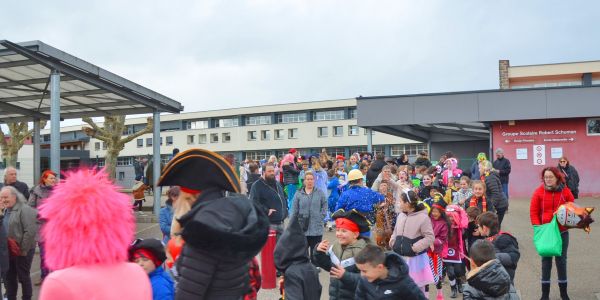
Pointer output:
x,y
570,174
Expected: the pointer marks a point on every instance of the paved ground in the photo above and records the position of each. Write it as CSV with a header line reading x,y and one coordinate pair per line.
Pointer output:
x,y
584,282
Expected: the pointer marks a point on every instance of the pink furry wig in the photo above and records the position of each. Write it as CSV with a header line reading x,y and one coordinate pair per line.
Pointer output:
x,y
87,221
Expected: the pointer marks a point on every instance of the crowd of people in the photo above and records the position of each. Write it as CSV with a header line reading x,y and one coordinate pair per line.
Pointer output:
x,y
401,229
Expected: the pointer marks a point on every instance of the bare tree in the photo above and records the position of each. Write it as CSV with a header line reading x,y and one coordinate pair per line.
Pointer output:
x,y
111,133
18,133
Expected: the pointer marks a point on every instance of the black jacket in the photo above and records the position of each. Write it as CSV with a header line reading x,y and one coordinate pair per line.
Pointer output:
x,y
3,249
503,167
222,234
493,191
398,284
374,171
421,161
20,186
252,178
507,252
490,281
269,196
572,178
301,280
290,174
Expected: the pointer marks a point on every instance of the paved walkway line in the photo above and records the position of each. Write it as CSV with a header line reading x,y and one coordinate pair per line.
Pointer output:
x,y
147,228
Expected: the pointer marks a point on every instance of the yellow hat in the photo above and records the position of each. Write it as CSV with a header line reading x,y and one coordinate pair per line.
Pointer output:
x,y
355,175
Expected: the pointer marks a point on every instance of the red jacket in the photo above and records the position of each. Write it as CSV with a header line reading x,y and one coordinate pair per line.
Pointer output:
x,y
545,203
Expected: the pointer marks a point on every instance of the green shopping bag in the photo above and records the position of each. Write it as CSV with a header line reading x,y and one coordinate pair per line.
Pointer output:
x,y
547,240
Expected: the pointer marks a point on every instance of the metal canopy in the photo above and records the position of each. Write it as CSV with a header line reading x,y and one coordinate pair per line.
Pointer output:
x,y
85,89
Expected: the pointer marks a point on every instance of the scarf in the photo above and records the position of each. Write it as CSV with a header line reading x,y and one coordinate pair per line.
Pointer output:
x,y
473,203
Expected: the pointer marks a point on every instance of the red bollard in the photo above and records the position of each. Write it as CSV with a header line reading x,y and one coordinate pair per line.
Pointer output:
x,y
267,264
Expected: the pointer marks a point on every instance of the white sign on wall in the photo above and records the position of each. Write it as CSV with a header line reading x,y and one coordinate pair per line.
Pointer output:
x,y
521,153
556,152
539,155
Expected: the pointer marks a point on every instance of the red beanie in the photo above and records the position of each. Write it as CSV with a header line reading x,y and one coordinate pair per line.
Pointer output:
x,y
145,253
189,191
346,224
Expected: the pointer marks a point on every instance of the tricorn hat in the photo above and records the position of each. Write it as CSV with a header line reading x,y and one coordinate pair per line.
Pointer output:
x,y
199,169
354,216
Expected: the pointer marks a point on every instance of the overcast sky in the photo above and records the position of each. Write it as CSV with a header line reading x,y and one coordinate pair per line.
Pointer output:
x,y
225,54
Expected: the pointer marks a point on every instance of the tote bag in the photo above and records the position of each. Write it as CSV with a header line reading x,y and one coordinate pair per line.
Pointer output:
x,y
547,239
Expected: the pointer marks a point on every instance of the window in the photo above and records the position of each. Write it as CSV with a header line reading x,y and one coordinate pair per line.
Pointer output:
x,y
409,149
202,139
278,134
148,142
100,162
124,161
198,124
291,118
230,122
335,151
121,176
338,130
214,137
252,135
140,143
165,158
169,141
352,113
593,126
128,130
258,155
265,135
352,130
103,145
293,133
226,137
190,139
258,120
328,115
322,131
97,146
366,131
161,140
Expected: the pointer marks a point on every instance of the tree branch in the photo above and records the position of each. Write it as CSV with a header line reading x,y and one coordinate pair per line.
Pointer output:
x,y
146,129
97,131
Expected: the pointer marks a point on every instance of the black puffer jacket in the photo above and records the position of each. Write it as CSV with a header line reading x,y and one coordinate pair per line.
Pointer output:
x,y
493,191
489,281
398,284
507,252
572,178
222,234
270,196
503,167
290,174
374,171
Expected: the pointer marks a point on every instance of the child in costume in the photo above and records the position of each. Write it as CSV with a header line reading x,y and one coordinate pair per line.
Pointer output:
x,y
150,255
137,190
451,170
385,217
464,193
453,261
438,251
479,198
452,191
338,259
435,195
88,229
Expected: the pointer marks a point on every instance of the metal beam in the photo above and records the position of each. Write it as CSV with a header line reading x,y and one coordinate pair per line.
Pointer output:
x,y
369,140
36,150
397,132
31,81
17,63
156,162
65,94
93,105
101,113
23,111
55,122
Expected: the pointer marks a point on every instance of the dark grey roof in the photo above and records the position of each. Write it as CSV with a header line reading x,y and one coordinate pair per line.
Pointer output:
x,y
86,89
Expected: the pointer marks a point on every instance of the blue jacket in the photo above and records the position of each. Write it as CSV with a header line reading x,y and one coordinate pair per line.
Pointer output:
x,y
360,198
162,285
165,217
321,180
335,193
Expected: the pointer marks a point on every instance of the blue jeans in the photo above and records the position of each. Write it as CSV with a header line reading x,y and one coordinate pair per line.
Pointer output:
x,y
291,190
505,190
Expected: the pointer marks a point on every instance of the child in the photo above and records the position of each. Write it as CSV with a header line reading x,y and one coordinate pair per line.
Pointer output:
x,y
487,278
479,199
507,247
384,276
452,191
150,255
138,193
435,194
339,259
411,238
385,217
438,251
472,231
304,169
342,175
454,265
464,193
425,187
300,278
333,186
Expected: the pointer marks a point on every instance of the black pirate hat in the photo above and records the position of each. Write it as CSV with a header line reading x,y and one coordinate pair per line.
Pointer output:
x,y
199,169
353,215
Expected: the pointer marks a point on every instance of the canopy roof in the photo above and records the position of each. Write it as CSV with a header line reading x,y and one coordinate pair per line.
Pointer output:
x,y
85,89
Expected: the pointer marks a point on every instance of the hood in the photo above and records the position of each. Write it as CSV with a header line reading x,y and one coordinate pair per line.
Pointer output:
x,y
291,247
397,268
490,278
229,226
460,219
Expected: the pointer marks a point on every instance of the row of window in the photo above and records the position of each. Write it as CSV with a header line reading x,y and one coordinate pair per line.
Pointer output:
x,y
339,131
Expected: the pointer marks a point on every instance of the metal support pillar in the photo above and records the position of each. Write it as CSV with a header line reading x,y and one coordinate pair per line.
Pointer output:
x,y
36,150
369,140
55,122
156,162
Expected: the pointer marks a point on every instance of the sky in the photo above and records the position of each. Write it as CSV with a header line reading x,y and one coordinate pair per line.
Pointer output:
x,y
225,54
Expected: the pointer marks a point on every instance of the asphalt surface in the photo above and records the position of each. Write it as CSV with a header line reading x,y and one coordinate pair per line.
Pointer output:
x,y
583,266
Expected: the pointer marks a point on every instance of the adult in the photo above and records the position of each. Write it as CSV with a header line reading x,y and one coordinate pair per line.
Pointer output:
x,y
165,217
493,189
269,195
570,174
253,176
10,179
3,247
310,208
403,160
546,199
38,194
243,172
502,164
475,175
20,220
375,168
87,243
359,197
138,166
423,160
150,173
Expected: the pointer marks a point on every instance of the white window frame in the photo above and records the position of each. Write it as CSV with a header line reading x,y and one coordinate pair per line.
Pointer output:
x,y
265,135
202,138
279,134
587,126
338,134
190,139
350,131
291,134
212,140
226,137
320,131
328,115
252,135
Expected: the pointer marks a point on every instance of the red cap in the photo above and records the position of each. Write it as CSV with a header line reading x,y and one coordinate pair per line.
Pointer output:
x,y
346,224
145,253
340,157
293,150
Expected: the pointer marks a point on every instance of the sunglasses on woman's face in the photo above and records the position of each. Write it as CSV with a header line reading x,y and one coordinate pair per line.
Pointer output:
x,y
563,161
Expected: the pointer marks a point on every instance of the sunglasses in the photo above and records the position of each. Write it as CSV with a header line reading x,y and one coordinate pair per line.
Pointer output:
x,y
563,161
